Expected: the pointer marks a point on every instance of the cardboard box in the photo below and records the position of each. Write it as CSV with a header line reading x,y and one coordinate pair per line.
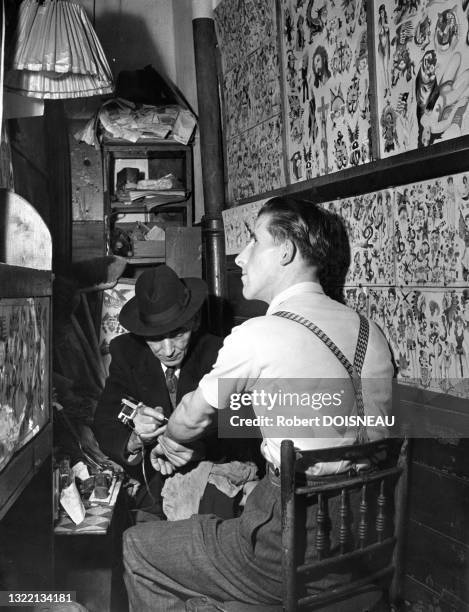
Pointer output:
x,y
149,248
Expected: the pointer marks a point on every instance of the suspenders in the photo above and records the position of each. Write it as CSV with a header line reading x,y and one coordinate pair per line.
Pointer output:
x,y
354,371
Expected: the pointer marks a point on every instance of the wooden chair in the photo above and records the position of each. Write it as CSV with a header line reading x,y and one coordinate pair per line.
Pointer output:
x,y
366,550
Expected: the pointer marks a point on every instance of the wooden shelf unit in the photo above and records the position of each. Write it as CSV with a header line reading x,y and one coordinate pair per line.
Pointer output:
x,y
167,157
160,157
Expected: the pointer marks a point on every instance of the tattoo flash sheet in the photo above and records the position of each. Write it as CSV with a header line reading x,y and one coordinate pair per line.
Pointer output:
x,y
325,60
24,366
414,235
432,232
113,301
357,298
247,37
239,222
240,26
428,332
369,222
254,161
422,72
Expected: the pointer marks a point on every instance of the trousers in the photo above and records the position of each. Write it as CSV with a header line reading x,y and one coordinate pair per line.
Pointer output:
x,y
168,563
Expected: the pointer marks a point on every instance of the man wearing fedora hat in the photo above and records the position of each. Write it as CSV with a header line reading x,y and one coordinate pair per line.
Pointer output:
x,y
162,358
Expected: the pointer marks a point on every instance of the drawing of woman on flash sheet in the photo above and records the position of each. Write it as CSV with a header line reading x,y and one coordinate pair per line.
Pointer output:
x,y
384,46
445,117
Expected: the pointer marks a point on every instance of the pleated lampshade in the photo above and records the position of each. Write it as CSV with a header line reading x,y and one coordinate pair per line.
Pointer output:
x,y
56,53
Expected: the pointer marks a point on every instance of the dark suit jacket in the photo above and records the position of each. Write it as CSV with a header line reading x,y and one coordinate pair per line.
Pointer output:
x,y
136,372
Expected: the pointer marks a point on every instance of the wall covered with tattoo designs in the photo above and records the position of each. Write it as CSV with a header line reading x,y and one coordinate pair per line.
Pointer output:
x,y
410,244
296,78
409,272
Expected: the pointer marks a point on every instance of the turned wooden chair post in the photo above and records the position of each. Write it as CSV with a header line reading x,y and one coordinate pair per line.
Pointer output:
x,y
288,524
395,589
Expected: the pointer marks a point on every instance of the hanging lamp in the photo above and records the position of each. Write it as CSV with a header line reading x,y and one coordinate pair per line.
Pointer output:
x,y
56,53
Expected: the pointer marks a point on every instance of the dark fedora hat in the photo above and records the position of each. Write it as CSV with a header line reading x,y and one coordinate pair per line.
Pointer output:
x,y
162,303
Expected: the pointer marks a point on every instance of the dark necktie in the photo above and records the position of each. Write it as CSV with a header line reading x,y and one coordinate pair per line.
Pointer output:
x,y
171,383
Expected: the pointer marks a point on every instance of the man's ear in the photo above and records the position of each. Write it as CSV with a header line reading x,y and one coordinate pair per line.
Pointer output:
x,y
288,252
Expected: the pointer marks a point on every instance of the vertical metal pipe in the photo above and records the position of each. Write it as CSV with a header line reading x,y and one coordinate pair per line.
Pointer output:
x,y
212,167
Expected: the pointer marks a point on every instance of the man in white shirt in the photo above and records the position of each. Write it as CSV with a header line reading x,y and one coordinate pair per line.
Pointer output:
x,y
296,253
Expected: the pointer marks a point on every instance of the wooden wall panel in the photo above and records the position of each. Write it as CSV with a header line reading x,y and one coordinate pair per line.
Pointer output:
x,y
88,240
438,561
26,561
30,176
440,502
184,250
87,178
449,455
427,599
58,167
27,136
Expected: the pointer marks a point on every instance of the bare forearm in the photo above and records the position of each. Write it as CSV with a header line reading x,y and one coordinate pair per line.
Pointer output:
x,y
191,419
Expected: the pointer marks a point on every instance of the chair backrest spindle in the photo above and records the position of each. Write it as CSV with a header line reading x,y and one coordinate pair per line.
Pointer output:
x,y
363,524
380,514
344,521
322,535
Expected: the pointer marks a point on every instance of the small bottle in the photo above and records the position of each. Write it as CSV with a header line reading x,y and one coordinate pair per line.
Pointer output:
x,y
65,473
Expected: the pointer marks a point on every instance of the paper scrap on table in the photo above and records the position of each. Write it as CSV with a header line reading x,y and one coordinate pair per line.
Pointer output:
x,y
80,471
71,502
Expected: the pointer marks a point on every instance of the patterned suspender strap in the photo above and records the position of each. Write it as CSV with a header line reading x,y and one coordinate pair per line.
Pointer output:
x,y
359,358
354,371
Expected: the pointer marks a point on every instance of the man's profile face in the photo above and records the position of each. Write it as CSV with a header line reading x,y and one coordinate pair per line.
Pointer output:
x,y
172,348
259,262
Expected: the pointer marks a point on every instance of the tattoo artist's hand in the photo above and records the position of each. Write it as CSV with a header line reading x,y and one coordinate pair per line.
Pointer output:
x,y
148,422
160,464
169,454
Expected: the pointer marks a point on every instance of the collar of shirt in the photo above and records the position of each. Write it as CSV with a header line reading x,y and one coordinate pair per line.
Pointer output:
x,y
165,367
306,287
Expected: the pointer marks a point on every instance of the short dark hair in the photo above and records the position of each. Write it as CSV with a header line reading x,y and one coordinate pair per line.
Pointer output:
x,y
319,235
